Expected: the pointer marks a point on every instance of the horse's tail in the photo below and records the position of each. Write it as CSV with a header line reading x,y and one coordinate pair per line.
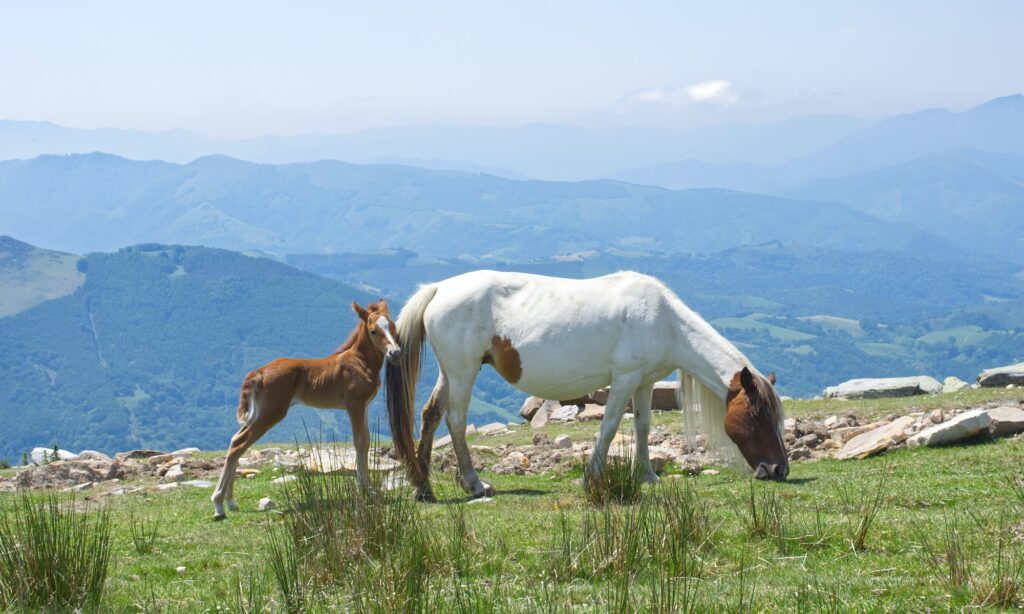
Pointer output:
x,y
400,379
246,411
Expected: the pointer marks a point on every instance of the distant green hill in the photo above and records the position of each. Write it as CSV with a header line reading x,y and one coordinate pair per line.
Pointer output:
x,y
29,275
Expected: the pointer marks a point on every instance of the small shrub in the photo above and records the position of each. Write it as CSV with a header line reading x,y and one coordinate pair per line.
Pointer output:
x,y
143,534
4,464
52,557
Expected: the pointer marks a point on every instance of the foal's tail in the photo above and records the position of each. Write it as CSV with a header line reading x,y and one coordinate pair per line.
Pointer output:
x,y
400,379
246,411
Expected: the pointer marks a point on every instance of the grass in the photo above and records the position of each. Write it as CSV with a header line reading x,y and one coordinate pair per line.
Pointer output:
x,y
689,544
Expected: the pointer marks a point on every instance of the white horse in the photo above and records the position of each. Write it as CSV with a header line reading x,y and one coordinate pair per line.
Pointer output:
x,y
560,338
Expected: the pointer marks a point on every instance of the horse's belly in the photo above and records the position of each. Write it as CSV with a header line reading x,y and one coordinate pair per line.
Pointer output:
x,y
562,375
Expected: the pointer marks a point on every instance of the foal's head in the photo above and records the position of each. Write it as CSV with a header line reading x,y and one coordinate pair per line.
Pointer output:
x,y
754,422
380,328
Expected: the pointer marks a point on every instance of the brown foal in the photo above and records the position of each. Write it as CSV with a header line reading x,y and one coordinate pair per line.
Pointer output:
x,y
347,379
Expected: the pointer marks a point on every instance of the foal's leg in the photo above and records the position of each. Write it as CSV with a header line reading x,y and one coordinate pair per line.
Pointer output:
x,y
460,390
361,441
245,437
642,423
430,418
622,389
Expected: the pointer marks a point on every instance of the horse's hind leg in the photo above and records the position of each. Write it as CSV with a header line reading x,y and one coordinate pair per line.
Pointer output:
x,y
460,389
431,417
267,415
642,424
361,440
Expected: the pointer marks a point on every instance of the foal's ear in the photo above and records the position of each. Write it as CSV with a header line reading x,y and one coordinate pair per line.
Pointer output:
x,y
362,313
382,304
771,378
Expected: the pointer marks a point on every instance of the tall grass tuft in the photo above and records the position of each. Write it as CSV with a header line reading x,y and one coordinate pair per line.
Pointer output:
x,y
251,594
143,533
52,556
620,481
861,507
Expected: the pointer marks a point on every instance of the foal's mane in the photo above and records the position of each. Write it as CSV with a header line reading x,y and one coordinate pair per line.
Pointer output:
x,y
357,331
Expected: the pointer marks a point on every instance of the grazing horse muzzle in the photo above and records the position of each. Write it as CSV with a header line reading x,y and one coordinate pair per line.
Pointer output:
x,y
767,471
394,355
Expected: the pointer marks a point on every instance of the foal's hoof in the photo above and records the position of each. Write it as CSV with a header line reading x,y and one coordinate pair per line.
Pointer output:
x,y
219,517
426,495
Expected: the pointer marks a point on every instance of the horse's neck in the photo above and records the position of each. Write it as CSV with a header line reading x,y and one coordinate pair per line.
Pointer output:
x,y
362,349
704,353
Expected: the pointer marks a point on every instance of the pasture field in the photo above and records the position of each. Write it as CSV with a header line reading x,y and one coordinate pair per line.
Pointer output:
x,y
910,530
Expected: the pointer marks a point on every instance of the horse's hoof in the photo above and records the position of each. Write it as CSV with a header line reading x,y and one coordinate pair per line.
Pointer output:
x,y
425,495
488,491
219,517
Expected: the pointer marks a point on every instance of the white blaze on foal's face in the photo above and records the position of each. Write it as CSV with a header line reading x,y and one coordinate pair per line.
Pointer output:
x,y
391,350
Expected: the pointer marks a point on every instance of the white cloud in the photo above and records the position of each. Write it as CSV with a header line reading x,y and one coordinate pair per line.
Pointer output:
x,y
715,92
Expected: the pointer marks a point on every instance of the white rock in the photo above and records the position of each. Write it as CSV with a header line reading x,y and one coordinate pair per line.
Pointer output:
x,y
563,441
1002,376
565,413
265,504
1005,421
174,474
518,458
963,426
591,411
936,416
953,384
873,388
540,418
664,396
492,429
876,440
789,424
171,486
283,479
198,483
442,442
41,456
181,570
530,407
709,472
93,455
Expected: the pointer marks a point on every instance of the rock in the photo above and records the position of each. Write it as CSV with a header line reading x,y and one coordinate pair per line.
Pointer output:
x,y
811,440
492,429
1002,376
1005,421
874,388
530,407
337,459
789,424
709,472
846,433
876,440
664,397
69,473
563,441
175,474
40,456
660,457
953,384
93,455
518,458
136,455
936,416
171,486
265,505
591,411
158,459
541,439
600,396
963,426
283,479
181,570
799,454
481,500
198,483
543,414
442,442
565,413
81,487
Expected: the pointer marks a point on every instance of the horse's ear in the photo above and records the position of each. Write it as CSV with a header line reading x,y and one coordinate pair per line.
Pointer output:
x,y
383,304
747,381
771,378
362,313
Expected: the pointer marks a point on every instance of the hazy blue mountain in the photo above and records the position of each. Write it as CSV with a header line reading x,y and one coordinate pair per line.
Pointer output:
x,y
688,174
553,152
82,203
971,198
995,126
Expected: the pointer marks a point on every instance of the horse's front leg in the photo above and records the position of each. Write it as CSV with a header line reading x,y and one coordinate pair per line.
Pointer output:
x,y
460,391
622,390
642,424
361,440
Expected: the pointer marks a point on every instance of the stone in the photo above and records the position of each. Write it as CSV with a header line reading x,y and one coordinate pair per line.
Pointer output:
x,y
69,473
198,483
492,429
543,414
811,440
660,457
709,472
876,440
846,433
665,396
175,474
600,396
964,426
789,424
157,459
181,570
530,407
874,388
518,458
135,455
93,455
541,439
171,486
936,416
265,505
41,456
1005,421
1002,376
565,413
338,459
591,411
283,479
442,442
248,473
799,454
953,384
563,441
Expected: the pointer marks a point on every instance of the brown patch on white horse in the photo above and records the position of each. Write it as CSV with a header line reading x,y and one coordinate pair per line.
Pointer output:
x,y
505,359
753,411
347,379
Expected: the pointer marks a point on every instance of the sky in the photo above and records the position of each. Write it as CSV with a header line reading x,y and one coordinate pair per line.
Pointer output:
x,y
236,69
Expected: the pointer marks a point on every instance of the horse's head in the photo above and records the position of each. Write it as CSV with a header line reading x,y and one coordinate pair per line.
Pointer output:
x,y
754,422
381,328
